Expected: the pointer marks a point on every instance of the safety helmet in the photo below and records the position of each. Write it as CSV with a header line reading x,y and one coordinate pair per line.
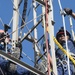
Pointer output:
x,y
2,36
2,33
61,31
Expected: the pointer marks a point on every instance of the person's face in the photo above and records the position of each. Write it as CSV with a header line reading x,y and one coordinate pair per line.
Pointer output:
x,y
63,38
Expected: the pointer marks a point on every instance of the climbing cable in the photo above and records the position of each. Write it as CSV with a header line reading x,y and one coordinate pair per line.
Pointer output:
x,y
64,33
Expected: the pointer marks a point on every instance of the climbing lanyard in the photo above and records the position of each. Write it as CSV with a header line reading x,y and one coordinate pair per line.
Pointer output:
x,y
64,51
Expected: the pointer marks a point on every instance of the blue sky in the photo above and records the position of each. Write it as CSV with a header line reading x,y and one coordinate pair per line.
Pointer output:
x,y
6,13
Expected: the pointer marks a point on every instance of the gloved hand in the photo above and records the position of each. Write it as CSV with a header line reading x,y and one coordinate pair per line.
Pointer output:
x,y
68,11
72,54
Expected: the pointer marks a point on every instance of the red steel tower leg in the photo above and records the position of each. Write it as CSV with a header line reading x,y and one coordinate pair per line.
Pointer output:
x,y
49,61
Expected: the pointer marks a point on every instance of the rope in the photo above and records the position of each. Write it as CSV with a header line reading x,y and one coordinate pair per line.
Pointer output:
x,y
22,17
22,26
28,57
65,34
10,21
64,51
2,22
34,62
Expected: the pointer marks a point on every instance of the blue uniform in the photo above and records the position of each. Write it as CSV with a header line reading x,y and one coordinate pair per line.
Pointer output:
x,y
62,66
4,67
4,64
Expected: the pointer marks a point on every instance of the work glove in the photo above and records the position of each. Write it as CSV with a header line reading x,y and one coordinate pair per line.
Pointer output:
x,y
72,54
68,11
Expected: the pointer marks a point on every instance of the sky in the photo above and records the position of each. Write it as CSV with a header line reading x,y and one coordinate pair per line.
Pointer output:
x,y
6,14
